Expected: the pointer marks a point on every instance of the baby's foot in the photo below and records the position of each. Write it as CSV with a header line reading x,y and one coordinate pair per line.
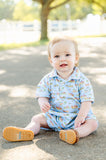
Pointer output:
x,y
70,136
17,134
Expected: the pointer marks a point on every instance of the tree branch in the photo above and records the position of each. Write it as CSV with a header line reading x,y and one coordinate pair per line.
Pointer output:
x,y
39,1
59,5
97,3
47,2
50,1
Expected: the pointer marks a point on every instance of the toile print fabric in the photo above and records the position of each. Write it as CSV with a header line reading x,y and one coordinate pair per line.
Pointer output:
x,y
65,97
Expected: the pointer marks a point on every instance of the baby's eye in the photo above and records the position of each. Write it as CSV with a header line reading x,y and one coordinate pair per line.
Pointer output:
x,y
68,54
57,56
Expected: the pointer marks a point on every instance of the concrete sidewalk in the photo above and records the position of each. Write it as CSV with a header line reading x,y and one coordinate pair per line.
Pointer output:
x,y
20,71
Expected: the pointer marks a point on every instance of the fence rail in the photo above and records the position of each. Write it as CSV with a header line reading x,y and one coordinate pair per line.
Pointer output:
x,y
22,32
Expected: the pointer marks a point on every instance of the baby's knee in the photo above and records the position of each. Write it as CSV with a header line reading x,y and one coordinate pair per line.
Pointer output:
x,y
35,118
94,124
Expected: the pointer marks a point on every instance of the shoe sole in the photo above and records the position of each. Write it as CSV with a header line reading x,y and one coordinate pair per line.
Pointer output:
x,y
17,134
68,136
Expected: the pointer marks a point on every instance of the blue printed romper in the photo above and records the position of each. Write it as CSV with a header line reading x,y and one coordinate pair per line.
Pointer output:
x,y
65,97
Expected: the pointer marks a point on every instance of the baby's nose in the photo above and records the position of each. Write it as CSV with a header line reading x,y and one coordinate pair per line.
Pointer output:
x,y
62,57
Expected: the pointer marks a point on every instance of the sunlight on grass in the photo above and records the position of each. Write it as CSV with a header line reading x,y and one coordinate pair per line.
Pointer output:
x,y
91,36
38,43
15,45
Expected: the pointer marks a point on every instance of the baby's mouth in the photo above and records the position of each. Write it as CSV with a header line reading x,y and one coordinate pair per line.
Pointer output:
x,y
63,65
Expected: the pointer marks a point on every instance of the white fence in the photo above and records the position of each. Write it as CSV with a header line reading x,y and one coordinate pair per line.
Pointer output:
x,y
19,32
22,32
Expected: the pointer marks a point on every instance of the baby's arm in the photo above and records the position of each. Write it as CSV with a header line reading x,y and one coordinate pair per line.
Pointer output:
x,y
44,104
85,107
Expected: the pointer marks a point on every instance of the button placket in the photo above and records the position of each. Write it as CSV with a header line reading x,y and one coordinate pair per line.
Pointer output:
x,y
62,89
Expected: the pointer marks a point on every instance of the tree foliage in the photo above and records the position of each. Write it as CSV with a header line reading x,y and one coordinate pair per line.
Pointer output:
x,y
75,10
26,13
78,9
99,6
6,9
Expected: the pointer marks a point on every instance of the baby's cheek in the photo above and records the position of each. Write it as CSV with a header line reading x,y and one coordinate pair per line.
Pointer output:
x,y
54,61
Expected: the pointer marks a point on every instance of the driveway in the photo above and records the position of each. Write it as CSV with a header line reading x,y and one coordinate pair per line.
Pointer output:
x,y
20,71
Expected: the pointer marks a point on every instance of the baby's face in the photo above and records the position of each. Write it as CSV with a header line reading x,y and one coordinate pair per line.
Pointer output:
x,y
63,57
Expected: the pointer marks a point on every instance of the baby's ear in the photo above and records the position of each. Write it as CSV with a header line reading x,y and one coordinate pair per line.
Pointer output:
x,y
49,58
76,59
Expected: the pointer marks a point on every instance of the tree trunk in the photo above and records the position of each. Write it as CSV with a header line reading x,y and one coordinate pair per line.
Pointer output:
x,y
44,17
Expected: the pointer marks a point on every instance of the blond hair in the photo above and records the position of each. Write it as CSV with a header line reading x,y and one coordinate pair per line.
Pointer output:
x,y
59,39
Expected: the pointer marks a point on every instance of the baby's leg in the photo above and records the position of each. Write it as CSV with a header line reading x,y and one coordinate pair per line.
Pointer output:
x,y
72,136
25,134
87,128
37,121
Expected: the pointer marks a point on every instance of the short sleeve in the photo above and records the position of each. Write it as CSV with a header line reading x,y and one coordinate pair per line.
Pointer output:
x,y
86,91
43,88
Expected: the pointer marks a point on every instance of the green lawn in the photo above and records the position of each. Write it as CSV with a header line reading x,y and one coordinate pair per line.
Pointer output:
x,y
38,43
15,45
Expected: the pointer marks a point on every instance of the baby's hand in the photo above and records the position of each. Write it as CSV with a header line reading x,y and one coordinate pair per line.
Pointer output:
x,y
45,107
44,104
79,120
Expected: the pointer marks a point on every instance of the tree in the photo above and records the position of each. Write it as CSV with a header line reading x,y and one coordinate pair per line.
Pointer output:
x,y
77,9
24,12
99,6
46,7
80,9
6,9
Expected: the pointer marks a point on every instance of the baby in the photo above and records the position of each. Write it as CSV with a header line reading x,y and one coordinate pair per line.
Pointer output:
x,y
64,95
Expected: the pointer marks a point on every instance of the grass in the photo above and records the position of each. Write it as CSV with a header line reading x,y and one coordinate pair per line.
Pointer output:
x,y
38,43
15,45
92,36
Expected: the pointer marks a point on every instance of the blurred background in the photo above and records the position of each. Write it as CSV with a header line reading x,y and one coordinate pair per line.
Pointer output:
x,y
24,21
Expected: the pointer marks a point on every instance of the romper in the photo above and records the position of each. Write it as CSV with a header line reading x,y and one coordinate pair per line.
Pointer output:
x,y
65,97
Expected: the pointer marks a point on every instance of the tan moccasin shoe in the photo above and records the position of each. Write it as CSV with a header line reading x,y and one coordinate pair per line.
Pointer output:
x,y
70,136
17,134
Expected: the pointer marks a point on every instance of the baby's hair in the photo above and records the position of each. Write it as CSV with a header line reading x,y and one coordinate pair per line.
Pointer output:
x,y
59,39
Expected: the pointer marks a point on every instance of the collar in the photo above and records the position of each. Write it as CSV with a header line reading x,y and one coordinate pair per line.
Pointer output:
x,y
74,75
